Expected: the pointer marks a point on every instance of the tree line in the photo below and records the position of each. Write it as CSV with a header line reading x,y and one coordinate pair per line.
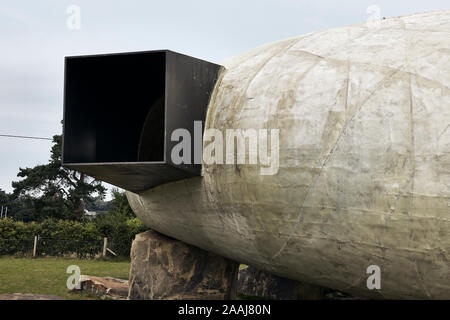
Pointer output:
x,y
49,201
51,191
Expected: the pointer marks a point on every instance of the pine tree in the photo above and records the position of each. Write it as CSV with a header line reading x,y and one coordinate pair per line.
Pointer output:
x,y
56,191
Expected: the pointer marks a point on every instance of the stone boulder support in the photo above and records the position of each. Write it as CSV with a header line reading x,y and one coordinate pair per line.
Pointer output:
x,y
166,268
254,282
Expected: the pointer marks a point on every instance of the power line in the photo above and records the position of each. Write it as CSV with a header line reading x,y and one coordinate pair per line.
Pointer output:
x,y
24,137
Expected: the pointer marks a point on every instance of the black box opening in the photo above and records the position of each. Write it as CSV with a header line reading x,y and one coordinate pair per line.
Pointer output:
x,y
110,99
121,109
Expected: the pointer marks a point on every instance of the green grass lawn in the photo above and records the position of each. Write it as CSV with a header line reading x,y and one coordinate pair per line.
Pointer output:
x,y
48,275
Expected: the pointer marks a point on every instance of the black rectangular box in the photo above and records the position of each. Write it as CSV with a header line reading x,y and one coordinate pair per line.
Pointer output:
x,y
120,111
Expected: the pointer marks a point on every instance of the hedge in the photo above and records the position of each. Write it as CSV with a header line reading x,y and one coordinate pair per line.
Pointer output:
x,y
55,238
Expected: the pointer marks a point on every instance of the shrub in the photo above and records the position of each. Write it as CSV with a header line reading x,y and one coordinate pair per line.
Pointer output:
x,y
16,237
69,237
119,230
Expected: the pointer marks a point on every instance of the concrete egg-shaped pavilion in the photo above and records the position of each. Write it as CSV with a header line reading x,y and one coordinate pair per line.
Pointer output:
x,y
363,114
364,177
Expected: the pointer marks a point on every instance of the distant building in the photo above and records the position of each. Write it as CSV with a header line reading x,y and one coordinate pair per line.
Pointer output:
x,y
90,214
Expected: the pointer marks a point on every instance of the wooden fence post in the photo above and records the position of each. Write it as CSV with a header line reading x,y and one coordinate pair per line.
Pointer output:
x,y
35,246
105,243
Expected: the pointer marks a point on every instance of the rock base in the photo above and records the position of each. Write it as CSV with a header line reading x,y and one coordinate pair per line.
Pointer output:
x,y
253,282
165,268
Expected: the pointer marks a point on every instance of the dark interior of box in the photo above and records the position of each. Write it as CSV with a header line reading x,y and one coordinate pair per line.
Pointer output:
x,y
114,108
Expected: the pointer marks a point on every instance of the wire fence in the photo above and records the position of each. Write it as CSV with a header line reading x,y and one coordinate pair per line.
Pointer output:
x,y
40,246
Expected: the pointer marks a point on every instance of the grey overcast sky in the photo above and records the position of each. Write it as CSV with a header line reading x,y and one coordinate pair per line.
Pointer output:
x,y
34,38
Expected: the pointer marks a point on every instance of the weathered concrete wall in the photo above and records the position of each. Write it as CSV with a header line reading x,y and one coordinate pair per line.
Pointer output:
x,y
364,174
